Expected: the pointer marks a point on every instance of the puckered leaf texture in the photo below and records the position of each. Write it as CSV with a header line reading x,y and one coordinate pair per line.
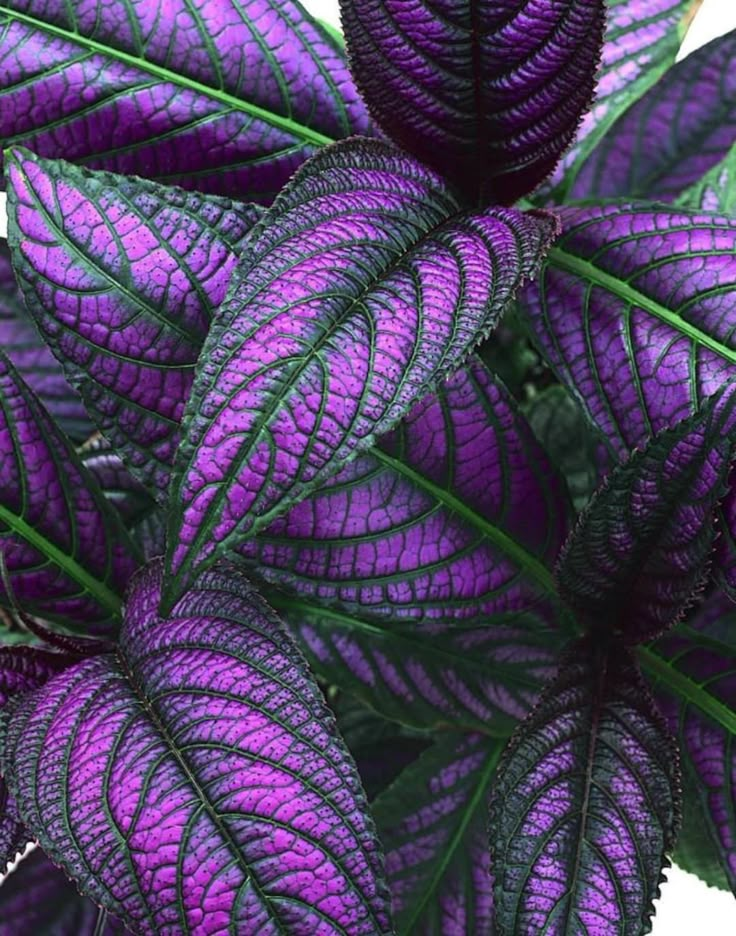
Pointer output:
x,y
194,781
489,93
122,277
584,804
366,286
226,96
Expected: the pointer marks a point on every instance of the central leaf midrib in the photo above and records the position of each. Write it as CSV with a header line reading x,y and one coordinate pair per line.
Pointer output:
x,y
587,270
163,74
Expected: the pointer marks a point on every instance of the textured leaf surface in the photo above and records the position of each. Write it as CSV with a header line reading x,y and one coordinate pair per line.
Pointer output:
x,y
432,822
367,285
33,360
66,553
490,94
642,548
668,139
584,804
482,678
455,516
37,898
716,189
122,277
641,42
207,788
226,96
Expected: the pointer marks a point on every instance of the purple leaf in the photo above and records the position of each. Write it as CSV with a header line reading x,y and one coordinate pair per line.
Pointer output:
x,y
122,277
36,898
455,516
641,43
120,488
715,190
65,551
668,139
584,804
225,96
33,360
207,787
432,822
641,551
488,93
367,286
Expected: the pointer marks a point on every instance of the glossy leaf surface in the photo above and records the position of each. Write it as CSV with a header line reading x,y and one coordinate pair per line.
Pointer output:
x,y
367,286
226,96
122,277
668,139
432,822
489,94
207,787
584,804
455,516
641,551
66,553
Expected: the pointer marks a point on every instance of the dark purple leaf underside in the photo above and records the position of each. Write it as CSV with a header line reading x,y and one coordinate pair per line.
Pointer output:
x,y
668,139
489,94
122,277
367,286
641,551
66,553
455,516
207,787
432,822
38,900
33,360
223,96
584,805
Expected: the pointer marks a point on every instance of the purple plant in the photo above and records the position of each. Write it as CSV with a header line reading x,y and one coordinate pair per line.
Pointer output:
x,y
367,521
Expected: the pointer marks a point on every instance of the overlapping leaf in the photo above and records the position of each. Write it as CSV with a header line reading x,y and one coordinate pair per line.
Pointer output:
x,y
227,96
641,43
683,126
120,488
584,804
715,190
641,551
66,554
366,287
122,277
455,516
489,94
206,786
432,822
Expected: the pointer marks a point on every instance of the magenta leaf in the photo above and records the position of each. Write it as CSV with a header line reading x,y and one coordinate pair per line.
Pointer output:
x,y
226,96
207,787
584,804
489,94
36,898
65,552
454,517
367,286
122,277
432,822
684,125
641,550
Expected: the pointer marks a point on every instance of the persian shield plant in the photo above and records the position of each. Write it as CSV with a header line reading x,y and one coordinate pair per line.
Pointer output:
x,y
367,515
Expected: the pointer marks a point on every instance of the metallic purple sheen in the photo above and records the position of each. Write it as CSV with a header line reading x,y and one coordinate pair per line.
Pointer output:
x,y
447,519
367,285
66,553
673,135
584,804
225,96
489,92
122,277
207,787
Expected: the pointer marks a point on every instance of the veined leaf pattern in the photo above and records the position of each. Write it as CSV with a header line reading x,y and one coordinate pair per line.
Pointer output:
x,y
207,787
366,286
716,190
122,277
226,96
